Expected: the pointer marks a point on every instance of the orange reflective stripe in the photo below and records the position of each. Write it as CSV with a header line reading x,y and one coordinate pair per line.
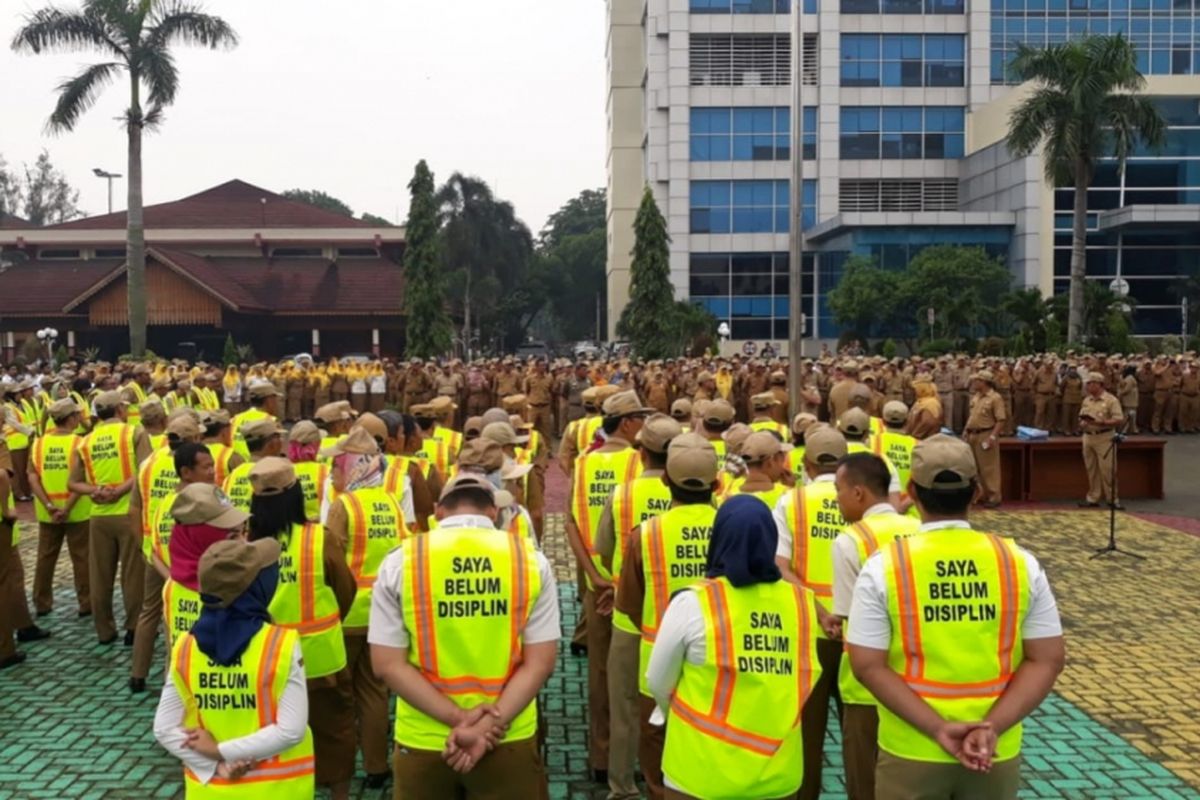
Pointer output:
x,y
658,578
184,667
517,620
906,601
626,499
468,684
310,627
804,678
1008,604
144,475
723,639
308,562
89,469
799,524
723,731
423,607
39,448
988,689
126,450
877,443
358,534
277,771
268,667
869,540
583,525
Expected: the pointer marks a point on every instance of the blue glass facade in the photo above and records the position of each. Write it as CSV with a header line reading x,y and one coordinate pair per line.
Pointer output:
x,y
895,132
1165,32
747,206
748,290
748,134
748,6
902,6
872,59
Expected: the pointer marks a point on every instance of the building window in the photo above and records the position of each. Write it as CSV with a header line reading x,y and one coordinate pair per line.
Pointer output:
x,y
110,252
297,252
902,6
357,252
748,290
902,60
902,132
747,206
748,134
57,253
893,194
740,6
740,59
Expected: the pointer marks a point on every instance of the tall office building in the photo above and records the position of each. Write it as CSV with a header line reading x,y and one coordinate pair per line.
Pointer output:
x,y
906,106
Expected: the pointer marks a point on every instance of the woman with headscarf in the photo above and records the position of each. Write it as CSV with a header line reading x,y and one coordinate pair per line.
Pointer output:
x,y
733,664
925,418
234,709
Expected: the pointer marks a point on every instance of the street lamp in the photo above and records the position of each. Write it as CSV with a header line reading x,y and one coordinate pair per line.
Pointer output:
x,y
108,176
796,227
48,336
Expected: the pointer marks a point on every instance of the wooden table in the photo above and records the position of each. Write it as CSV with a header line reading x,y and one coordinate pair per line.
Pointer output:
x,y
1054,470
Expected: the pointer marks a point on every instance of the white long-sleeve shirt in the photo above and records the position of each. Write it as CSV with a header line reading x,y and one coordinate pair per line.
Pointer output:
x,y
288,731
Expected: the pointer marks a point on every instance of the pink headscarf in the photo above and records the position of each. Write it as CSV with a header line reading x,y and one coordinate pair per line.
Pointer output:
x,y
298,452
188,543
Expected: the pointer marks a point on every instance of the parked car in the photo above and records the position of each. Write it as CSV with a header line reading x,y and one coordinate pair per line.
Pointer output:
x,y
534,349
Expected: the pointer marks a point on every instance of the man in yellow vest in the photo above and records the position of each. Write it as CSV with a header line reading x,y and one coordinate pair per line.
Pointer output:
x,y
896,446
106,472
464,628
767,476
762,406
871,523
855,426
809,521
795,457
136,392
157,482
263,438
433,450
368,522
334,420
218,437
663,555
443,409
681,412
957,635
61,514
630,504
19,424
264,405
597,474
152,418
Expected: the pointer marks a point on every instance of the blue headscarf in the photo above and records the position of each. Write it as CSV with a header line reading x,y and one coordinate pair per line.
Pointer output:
x,y
223,634
742,548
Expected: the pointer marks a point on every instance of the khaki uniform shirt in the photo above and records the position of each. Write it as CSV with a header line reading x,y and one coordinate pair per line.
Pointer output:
x,y
539,389
1101,408
987,410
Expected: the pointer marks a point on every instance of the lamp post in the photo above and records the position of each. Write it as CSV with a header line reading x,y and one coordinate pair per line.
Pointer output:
x,y
796,227
48,336
108,176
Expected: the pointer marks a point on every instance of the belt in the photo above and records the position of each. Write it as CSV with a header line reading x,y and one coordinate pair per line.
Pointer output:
x,y
1099,431
539,405
978,430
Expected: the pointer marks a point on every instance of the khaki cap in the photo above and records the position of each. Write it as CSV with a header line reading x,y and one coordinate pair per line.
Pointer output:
x,y
589,396
681,408
358,442
227,568
691,462
467,480
761,445
271,476
860,392
803,421
473,425
895,411
624,404
262,389
162,382
106,401
335,412
494,415
502,434
184,426
305,432
261,429
441,405
210,418
736,436
373,425
704,377
778,376
1095,377
606,391
205,504
824,444
141,369
763,401
850,366
658,432
855,422
514,402
481,454
942,454
717,412
152,410
61,409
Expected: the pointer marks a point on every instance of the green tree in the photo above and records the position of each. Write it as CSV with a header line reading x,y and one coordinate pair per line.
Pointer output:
x,y
47,197
573,249
374,219
1027,309
867,298
315,197
135,37
10,190
229,357
961,284
427,327
1086,106
651,295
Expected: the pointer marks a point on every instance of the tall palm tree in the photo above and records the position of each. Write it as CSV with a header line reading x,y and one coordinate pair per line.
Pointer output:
x,y
1085,106
135,37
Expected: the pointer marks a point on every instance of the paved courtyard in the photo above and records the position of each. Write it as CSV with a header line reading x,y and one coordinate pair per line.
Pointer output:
x,y
1124,722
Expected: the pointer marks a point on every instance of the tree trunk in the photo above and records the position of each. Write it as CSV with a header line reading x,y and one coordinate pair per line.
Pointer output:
x,y
135,246
1078,256
466,334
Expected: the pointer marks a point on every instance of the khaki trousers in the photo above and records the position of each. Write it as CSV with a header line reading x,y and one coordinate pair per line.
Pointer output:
x,y
860,749
814,717
650,749
599,635
962,407
539,418
513,771
1070,418
579,635
1098,458
902,779
370,704
623,652
1159,417
50,541
331,720
14,613
20,474
1189,413
113,544
1131,420
987,462
148,622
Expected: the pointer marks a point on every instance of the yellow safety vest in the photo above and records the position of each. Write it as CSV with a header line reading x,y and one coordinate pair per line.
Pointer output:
x,y
770,496
632,504
466,596
157,482
239,440
376,526
433,451
585,432
85,410
237,486
181,609
312,476
12,438
597,474
869,535
451,438
133,412
674,556
235,701
221,454
956,600
734,727
795,460
108,460
770,425
53,456
897,448
815,520
397,471
305,603
326,443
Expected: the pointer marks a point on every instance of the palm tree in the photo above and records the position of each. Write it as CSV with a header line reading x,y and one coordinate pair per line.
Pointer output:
x,y
1085,106
136,37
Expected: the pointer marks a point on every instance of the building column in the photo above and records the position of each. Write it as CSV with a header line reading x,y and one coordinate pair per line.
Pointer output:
x,y
316,343
375,342
9,347
71,343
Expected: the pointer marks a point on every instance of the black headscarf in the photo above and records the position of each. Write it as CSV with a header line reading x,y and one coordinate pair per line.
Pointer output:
x,y
223,634
742,548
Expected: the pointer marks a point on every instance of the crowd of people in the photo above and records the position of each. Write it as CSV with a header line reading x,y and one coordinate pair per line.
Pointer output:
x,y
310,538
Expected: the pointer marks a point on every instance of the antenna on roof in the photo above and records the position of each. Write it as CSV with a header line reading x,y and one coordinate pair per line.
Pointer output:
x,y
263,200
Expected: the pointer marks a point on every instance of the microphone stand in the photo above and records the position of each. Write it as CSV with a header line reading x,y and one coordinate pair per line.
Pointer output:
x,y
1111,547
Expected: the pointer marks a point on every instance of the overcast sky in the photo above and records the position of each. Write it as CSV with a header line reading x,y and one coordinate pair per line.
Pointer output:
x,y
346,97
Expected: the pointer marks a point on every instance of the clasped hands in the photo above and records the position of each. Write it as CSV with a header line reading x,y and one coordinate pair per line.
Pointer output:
x,y
202,742
474,733
972,743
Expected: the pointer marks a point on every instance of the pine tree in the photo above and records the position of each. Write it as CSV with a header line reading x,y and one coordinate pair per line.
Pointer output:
x,y
230,355
427,327
645,322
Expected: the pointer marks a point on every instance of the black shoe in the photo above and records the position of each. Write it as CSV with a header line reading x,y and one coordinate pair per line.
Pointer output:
x,y
1117,505
600,776
109,640
32,634
578,649
137,685
85,614
376,780
44,612
13,660
129,638
1088,504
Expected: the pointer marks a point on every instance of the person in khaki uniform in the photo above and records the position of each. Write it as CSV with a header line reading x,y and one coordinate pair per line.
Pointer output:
x,y
1145,379
1045,389
943,379
1071,397
779,411
962,388
1004,387
1130,399
1171,412
1189,399
506,382
1099,415
1022,387
845,380
982,431
539,391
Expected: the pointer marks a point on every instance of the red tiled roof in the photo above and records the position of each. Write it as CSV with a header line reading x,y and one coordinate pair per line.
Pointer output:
x,y
41,288
14,222
235,204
